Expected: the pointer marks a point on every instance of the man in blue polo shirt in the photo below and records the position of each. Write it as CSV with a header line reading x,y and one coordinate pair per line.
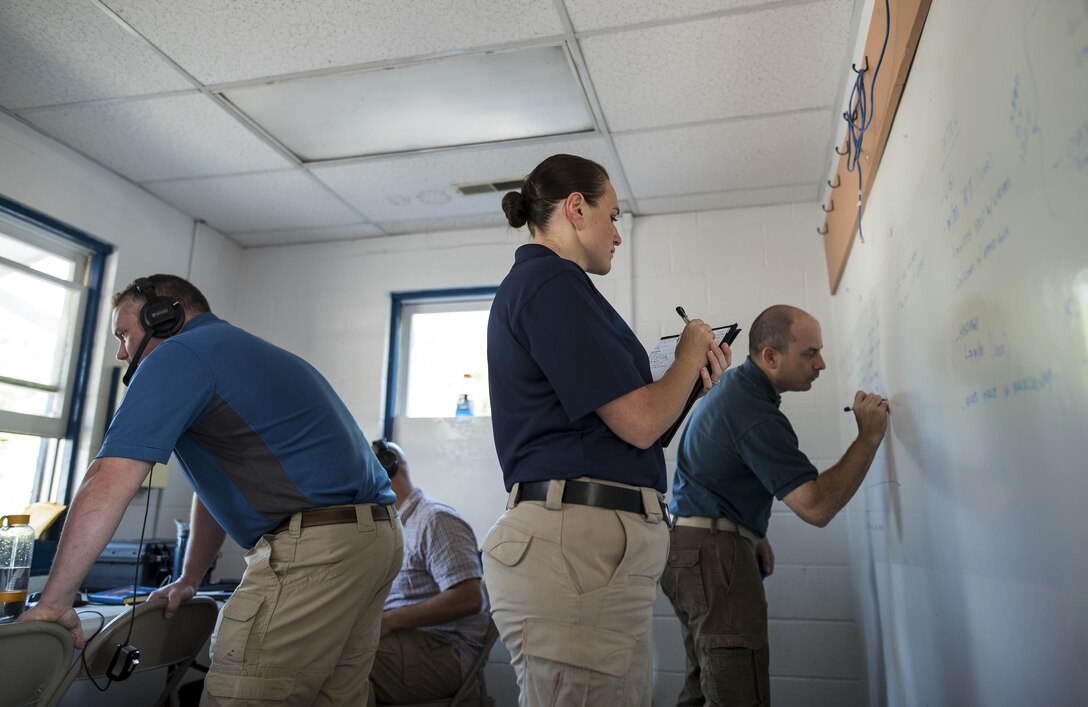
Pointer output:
x,y
278,463
737,454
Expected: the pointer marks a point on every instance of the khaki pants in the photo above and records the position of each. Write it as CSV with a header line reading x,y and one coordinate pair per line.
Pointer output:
x,y
712,580
572,589
303,625
414,666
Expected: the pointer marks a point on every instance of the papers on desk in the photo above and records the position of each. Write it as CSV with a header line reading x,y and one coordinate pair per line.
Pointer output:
x,y
42,514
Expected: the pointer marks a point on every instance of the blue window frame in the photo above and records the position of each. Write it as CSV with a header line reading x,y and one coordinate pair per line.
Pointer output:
x,y
423,380
51,281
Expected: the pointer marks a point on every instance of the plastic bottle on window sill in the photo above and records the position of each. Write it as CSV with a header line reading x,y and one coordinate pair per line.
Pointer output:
x,y
16,550
464,403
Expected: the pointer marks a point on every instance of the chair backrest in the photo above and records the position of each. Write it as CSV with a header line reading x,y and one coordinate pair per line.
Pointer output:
x,y
475,686
34,657
473,690
161,641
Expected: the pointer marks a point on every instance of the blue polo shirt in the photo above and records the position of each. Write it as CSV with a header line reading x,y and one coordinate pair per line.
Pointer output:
x,y
738,453
557,351
258,432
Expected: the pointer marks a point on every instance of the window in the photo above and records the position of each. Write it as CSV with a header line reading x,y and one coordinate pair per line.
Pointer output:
x,y
50,279
438,354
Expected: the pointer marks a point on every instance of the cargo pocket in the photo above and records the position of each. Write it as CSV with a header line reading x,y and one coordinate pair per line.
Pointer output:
x,y
506,544
730,669
262,690
593,648
235,629
682,581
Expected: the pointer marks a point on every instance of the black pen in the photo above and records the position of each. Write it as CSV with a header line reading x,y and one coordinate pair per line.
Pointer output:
x,y
683,315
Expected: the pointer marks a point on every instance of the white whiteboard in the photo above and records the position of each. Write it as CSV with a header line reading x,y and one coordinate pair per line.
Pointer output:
x,y
967,306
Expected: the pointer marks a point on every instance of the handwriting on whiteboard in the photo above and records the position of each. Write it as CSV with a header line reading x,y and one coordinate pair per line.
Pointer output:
x,y
980,343
1076,150
1011,389
1024,118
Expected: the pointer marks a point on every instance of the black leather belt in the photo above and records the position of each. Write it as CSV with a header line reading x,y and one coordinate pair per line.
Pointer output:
x,y
335,515
586,493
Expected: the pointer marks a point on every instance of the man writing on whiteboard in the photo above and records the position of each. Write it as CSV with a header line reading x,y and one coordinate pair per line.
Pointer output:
x,y
737,454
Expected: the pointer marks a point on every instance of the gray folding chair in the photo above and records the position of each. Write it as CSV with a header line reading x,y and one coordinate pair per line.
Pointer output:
x,y
34,657
163,643
473,690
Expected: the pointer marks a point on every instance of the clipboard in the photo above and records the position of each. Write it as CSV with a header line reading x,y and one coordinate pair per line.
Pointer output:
x,y
728,335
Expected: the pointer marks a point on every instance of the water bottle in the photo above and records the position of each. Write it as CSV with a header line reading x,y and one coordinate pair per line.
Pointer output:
x,y
16,548
464,406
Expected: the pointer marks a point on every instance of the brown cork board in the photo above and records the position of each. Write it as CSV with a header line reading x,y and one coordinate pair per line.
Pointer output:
x,y
840,225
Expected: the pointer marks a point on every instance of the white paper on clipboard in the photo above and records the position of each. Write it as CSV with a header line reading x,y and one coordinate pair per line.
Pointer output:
x,y
664,352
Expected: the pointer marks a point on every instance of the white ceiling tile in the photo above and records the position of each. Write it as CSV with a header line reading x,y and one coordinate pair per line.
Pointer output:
x,y
461,100
596,14
256,202
167,137
59,51
715,157
761,62
419,186
729,199
290,236
220,41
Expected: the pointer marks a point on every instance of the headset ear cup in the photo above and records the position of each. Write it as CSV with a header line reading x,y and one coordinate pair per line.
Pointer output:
x,y
389,462
387,458
160,317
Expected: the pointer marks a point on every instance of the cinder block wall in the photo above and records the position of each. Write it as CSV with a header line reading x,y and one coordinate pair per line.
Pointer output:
x,y
724,267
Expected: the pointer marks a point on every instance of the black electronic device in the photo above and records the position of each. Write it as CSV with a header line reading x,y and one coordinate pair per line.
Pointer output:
x,y
387,457
125,661
126,562
160,317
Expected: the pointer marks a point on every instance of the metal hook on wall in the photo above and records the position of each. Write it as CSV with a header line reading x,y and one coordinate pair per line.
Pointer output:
x,y
840,154
827,210
822,232
862,70
836,184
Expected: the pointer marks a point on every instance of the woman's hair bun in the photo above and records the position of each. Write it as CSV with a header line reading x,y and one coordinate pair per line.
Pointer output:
x,y
516,208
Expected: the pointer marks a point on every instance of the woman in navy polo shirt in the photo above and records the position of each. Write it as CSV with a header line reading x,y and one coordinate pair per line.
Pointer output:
x,y
573,563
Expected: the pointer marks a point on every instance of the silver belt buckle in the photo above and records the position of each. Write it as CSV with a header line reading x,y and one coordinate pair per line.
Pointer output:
x,y
666,514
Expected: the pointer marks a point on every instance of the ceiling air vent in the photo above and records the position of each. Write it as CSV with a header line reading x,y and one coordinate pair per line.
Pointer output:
x,y
499,185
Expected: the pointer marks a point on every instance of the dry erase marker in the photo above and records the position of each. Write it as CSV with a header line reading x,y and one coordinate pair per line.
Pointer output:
x,y
850,409
683,315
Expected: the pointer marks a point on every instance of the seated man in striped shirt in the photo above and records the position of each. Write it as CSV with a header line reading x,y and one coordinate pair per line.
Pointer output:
x,y
436,614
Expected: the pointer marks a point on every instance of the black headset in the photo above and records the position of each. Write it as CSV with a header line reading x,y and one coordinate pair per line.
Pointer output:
x,y
160,317
387,457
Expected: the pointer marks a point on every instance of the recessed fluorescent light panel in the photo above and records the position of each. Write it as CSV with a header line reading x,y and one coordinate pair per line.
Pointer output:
x,y
463,100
